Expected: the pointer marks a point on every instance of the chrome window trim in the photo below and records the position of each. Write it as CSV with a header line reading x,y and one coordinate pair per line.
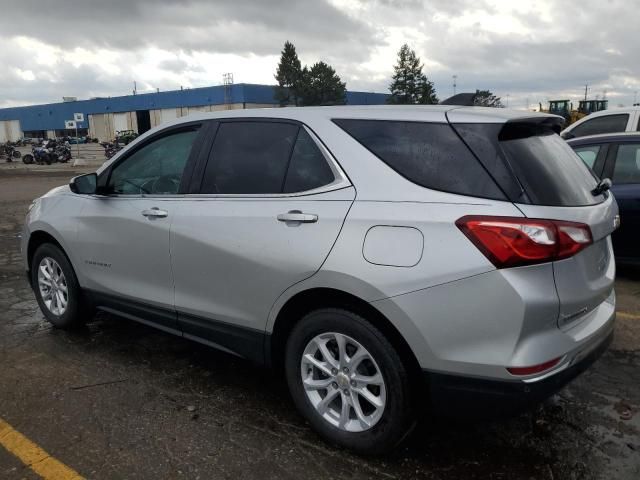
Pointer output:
x,y
340,182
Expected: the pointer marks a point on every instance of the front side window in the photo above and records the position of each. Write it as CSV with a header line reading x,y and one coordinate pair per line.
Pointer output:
x,y
154,169
256,157
627,167
588,154
605,124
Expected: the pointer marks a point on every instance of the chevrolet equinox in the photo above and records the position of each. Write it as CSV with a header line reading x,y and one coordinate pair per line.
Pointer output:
x,y
388,259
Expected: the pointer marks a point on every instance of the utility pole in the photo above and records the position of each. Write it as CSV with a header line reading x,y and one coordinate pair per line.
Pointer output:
x,y
508,100
135,87
227,80
455,77
586,90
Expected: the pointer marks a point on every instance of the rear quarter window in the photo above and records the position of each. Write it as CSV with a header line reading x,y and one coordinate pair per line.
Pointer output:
x,y
428,154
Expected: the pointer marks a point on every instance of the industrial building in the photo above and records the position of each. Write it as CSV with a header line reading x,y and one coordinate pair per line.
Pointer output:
x,y
103,117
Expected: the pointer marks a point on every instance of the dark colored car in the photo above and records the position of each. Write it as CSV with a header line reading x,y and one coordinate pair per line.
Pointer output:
x,y
617,156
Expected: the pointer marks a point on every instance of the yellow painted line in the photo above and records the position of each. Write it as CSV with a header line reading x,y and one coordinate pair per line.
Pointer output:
x,y
33,456
628,315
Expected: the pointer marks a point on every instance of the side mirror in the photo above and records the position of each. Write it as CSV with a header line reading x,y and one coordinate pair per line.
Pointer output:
x,y
84,184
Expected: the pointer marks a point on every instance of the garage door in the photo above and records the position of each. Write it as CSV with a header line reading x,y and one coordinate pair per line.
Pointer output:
x,y
10,131
120,121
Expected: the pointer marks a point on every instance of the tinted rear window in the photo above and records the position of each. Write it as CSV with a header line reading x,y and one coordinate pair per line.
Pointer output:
x,y
428,154
549,170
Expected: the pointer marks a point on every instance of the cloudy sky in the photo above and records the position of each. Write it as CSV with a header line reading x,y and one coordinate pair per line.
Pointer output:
x,y
524,51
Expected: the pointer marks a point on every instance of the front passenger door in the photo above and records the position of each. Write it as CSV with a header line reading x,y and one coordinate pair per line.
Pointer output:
x,y
124,233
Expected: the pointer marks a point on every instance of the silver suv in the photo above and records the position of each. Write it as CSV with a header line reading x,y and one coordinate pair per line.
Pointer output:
x,y
375,254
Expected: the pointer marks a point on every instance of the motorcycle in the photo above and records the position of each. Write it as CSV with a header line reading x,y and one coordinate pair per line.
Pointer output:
x,y
10,151
43,154
110,149
62,153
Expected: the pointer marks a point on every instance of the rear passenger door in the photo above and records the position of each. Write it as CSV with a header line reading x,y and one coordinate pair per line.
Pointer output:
x,y
623,167
267,204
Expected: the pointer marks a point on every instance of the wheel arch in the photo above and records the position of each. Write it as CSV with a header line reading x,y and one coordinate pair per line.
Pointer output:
x,y
39,237
311,299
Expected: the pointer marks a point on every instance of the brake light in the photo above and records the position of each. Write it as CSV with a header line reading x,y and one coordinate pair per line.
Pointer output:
x,y
517,241
534,368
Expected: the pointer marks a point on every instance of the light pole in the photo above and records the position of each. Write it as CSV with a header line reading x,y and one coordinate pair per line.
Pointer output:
x,y
455,78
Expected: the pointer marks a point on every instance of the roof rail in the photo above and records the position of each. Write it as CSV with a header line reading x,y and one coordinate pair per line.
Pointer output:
x,y
461,99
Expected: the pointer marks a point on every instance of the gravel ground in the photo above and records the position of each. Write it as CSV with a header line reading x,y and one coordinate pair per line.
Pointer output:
x,y
121,400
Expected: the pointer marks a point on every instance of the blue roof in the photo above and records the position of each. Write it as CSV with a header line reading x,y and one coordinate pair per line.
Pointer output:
x,y
53,115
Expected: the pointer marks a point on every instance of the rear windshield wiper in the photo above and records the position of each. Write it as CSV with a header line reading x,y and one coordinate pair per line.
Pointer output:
x,y
603,186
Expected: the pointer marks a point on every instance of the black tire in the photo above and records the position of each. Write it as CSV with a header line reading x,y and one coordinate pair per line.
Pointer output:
x,y
16,154
397,418
27,159
78,310
48,159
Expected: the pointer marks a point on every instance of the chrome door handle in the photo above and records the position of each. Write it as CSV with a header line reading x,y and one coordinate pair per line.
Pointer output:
x,y
155,212
298,216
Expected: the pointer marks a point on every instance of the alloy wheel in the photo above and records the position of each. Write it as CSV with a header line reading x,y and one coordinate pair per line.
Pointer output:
x,y
343,382
53,286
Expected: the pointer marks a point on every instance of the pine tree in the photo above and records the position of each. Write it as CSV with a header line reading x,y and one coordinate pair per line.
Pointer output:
x,y
410,85
484,98
289,76
427,92
321,85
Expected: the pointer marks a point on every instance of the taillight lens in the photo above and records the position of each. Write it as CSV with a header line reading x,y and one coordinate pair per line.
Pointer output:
x,y
516,241
534,368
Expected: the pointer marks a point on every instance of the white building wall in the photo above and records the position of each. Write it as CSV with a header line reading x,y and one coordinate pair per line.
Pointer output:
x,y
10,131
168,114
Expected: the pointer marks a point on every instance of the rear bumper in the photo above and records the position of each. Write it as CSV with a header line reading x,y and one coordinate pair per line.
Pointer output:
x,y
478,397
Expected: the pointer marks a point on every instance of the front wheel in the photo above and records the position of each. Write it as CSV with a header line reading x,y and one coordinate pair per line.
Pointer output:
x,y
56,288
348,381
27,159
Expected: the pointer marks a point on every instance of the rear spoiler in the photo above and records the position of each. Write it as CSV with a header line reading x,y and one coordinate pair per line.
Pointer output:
x,y
530,126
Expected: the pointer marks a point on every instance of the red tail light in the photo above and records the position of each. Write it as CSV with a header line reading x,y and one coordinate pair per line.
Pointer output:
x,y
534,368
516,241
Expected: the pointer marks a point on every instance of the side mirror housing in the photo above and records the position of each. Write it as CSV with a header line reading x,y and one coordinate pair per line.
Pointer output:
x,y
84,184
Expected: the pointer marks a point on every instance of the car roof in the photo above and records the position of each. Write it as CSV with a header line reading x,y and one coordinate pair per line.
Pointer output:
x,y
433,113
604,138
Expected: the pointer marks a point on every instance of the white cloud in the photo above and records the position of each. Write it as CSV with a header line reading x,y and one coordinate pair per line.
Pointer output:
x,y
536,50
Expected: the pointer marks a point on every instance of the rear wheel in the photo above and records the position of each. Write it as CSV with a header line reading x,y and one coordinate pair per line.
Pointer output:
x,y
56,288
27,159
348,381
